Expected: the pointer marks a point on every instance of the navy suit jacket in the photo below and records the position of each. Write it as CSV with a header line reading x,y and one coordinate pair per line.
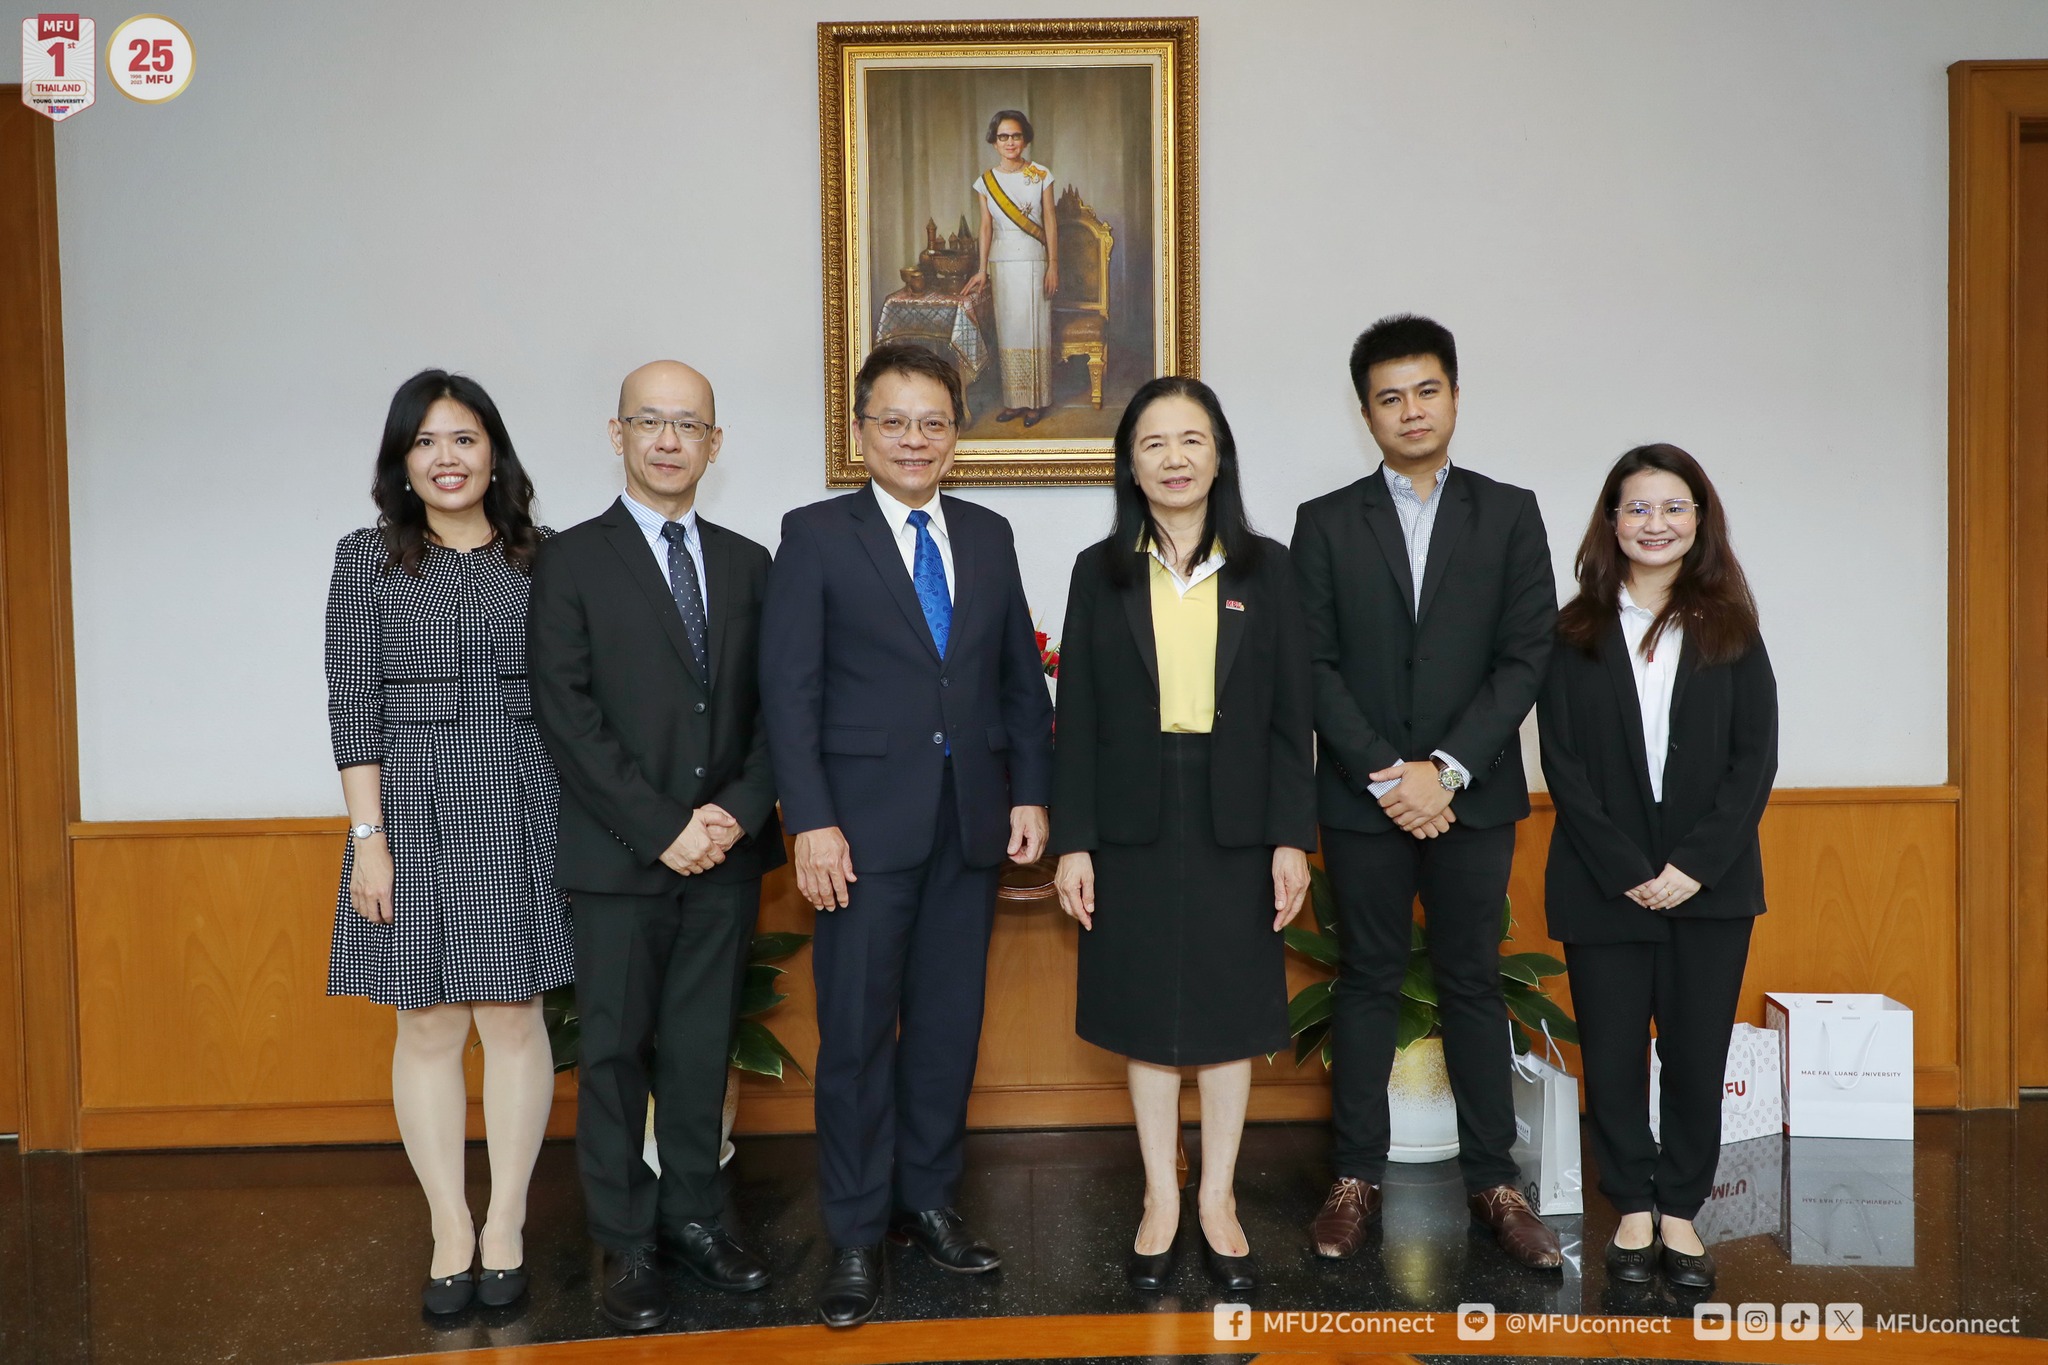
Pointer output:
x,y
860,708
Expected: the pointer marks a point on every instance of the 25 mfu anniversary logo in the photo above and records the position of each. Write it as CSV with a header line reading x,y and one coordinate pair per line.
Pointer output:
x,y
149,59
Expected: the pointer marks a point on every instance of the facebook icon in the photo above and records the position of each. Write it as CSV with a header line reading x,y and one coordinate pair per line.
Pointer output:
x,y
1233,1322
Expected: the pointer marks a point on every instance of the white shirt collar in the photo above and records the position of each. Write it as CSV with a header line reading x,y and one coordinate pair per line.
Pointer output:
x,y
897,514
651,521
1402,482
1629,607
1213,564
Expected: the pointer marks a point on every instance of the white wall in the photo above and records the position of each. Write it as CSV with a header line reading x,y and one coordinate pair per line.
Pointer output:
x,y
1715,223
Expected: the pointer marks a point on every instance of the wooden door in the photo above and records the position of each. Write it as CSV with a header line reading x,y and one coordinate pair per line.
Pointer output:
x,y
2030,602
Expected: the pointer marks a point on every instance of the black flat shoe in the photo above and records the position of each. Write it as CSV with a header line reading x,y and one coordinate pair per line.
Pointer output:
x,y
1232,1273
1632,1265
944,1236
1152,1273
1689,1272
707,1251
449,1294
1035,416
496,1288
853,1286
1011,414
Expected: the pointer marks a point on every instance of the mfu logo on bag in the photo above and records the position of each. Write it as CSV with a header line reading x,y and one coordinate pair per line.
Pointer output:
x,y
56,64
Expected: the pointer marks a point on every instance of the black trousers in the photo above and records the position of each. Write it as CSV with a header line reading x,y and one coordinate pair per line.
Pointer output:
x,y
659,973
1462,877
1689,984
901,973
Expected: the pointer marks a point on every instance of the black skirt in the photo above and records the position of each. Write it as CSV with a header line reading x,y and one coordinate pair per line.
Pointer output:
x,y
1182,967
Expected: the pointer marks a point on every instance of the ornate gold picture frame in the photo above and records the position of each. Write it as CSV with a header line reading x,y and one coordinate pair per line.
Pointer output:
x,y
929,226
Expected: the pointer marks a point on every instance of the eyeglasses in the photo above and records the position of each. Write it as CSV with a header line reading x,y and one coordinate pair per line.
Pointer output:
x,y
1678,509
688,429
896,428
1009,137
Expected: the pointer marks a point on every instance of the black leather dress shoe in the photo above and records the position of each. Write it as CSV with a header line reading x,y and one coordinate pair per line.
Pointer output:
x,y
449,1293
707,1251
1632,1265
944,1236
1231,1273
853,1286
631,1293
1688,1272
496,1288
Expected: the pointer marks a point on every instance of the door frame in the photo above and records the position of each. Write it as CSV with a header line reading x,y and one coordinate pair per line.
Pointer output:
x,y
1989,102
38,712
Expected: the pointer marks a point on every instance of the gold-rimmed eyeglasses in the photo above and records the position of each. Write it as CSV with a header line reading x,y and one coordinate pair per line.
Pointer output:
x,y
896,428
1676,509
688,429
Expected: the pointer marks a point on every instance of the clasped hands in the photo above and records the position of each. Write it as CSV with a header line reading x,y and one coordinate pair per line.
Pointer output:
x,y
703,843
1421,804
824,862
1075,882
1667,890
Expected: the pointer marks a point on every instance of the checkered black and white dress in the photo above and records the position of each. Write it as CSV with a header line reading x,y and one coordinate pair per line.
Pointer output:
x,y
427,676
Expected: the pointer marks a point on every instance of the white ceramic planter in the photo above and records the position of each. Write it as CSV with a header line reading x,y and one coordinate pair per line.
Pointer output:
x,y
731,1112
1422,1116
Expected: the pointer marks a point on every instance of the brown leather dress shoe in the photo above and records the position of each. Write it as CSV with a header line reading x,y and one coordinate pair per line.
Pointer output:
x,y
1339,1229
1516,1227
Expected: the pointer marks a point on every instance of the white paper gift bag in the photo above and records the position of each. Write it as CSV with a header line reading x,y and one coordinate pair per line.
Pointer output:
x,y
1752,1088
1547,1130
1848,1064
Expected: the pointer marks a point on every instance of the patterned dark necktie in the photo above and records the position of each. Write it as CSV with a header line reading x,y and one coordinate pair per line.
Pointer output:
x,y
928,574
689,595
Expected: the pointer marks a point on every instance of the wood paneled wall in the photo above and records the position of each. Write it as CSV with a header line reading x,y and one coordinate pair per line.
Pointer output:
x,y
202,952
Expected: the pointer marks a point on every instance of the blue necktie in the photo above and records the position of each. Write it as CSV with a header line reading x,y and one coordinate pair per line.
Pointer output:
x,y
928,573
689,595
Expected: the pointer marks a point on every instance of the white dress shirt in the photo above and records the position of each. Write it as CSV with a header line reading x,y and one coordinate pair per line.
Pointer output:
x,y
1418,524
1654,679
897,515
650,523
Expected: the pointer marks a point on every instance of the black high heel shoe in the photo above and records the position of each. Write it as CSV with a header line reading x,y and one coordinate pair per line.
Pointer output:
x,y
1153,1273
1231,1273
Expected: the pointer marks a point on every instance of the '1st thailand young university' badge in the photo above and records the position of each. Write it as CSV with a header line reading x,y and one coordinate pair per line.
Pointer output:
x,y
56,64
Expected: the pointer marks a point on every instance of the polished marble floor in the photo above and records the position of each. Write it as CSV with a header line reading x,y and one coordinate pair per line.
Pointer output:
x,y
311,1255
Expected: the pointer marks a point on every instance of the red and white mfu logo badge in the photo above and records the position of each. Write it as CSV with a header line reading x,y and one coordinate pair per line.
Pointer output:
x,y
56,64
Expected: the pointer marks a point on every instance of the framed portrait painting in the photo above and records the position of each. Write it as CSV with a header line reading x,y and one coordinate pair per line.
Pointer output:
x,y
1021,199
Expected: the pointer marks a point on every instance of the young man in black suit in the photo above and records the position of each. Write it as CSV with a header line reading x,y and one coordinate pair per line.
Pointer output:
x,y
912,735
643,636
1430,605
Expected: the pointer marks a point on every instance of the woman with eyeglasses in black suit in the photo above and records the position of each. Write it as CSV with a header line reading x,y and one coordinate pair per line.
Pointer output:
x,y
1659,723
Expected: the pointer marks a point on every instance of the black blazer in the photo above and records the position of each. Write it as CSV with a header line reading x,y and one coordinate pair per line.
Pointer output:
x,y
1392,685
638,742
861,708
1609,836
1106,754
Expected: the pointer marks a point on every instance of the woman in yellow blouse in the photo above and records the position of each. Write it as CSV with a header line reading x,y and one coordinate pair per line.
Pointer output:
x,y
1183,800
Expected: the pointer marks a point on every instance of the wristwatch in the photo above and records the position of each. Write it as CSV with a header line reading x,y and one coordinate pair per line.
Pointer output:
x,y
1447,777
362,832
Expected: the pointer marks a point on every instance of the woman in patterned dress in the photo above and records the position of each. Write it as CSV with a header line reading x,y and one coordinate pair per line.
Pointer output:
x,y
448,908
1020,253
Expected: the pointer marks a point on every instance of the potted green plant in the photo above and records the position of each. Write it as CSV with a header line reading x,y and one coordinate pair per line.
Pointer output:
x,y
755,1047
1424,1118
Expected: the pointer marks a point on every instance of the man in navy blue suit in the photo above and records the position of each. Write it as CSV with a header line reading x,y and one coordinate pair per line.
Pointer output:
x,y
911,739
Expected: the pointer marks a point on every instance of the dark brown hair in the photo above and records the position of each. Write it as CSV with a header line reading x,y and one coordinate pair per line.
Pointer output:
x,y
1710,597
903,357
402,517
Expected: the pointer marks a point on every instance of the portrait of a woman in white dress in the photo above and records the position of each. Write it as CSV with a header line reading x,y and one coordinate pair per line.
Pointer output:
x,y
1020,261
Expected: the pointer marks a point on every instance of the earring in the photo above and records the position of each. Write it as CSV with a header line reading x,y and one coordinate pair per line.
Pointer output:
x,y
408,485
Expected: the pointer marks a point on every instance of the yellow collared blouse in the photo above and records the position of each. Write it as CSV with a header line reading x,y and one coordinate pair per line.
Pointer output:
x,y
1184,634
